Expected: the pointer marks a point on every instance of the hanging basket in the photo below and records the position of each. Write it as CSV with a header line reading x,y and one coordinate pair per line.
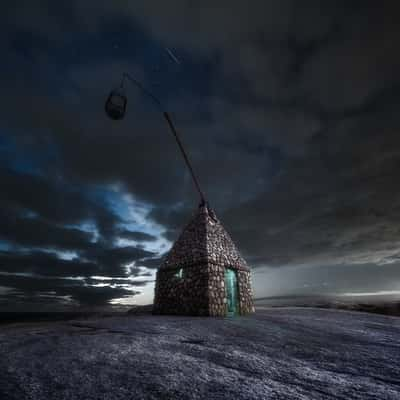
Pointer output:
x,y
116,104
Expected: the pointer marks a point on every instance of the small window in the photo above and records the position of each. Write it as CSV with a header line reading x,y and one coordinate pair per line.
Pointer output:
x,y
179,273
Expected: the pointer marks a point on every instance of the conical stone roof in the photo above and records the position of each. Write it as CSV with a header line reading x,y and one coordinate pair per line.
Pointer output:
x,y
204,240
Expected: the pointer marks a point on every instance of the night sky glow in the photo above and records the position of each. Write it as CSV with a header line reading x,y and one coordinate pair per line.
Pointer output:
x,y
289,111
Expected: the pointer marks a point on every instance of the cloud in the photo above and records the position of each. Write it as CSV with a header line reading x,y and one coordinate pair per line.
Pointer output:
x,y
40,233
112,260
45,264
151,263
59,293
332,279
52,200
136,236
289,114
39,216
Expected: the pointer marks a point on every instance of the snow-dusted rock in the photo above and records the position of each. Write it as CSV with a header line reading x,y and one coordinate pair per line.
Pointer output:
x,y
273,354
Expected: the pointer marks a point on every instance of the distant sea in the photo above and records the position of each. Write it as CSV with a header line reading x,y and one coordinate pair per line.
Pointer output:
x,y
17,317
388,305
380,304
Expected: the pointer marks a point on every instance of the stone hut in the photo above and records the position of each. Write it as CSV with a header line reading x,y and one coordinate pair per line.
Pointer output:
x,y
203,274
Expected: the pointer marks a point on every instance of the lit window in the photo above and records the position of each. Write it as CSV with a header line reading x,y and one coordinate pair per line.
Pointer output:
x,y
179,273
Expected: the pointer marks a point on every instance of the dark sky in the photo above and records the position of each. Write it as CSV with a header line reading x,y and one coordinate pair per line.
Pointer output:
x,y
288,109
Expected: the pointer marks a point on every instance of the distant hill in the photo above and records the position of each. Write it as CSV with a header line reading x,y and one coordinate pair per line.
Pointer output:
x,y
371,305
17,317
145,309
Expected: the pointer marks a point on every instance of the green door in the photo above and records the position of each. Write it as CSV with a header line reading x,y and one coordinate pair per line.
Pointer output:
x,y
231,290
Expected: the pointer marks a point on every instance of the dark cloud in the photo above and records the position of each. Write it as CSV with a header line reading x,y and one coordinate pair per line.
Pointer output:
x,y
136,235
113,260
53,200
62,292
40,233
151,263
335,279
45,264
94,278
289,113
100,261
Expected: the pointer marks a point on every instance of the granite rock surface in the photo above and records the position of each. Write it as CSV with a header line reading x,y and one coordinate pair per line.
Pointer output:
x,y
285,353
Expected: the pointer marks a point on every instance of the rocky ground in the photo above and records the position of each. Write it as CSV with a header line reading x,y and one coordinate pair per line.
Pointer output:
x,y
287,353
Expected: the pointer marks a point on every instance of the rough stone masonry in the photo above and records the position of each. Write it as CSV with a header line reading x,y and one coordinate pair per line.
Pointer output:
x,y
191,280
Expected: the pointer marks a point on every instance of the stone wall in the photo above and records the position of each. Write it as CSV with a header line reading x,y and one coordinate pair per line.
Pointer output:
x,y
216,290
245,292
182,296
204,239
220,247
203,251
191,246
217,293
200,291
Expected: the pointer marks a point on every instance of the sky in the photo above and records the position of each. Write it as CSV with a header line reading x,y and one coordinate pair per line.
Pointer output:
x,y
288,110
